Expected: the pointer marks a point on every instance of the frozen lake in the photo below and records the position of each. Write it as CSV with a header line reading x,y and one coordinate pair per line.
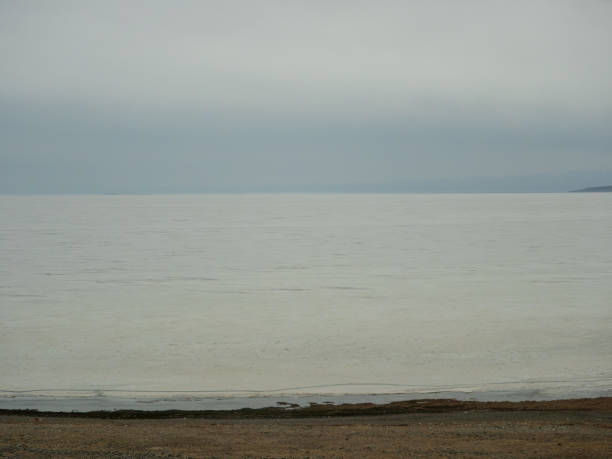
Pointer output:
x,y
287,295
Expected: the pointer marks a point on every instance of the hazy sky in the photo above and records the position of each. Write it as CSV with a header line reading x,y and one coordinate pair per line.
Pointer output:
x,y
172,96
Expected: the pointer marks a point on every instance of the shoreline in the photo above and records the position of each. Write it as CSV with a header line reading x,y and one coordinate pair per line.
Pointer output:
x,y
284,410
115,400
417,428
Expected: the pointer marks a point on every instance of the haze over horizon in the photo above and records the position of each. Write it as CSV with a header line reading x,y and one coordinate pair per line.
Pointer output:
x,y
160,97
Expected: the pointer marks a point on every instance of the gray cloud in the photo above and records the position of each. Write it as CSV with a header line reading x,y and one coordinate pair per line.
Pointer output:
x,y
196,96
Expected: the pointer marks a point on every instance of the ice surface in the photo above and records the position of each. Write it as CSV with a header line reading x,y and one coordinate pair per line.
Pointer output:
x,y
244,295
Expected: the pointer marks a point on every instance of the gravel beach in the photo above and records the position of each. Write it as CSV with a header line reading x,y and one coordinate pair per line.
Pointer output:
x,y
572,428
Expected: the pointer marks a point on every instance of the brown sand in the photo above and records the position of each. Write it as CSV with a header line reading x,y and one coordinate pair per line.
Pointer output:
x,y
575,428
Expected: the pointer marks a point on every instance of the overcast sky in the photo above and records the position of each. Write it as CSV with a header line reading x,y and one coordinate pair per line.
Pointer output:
x,y
188,96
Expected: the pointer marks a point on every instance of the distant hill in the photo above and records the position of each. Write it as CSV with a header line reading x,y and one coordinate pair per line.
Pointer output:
x,y
594,189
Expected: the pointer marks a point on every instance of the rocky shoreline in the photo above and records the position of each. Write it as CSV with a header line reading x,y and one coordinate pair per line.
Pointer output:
x,y
286,410
424,428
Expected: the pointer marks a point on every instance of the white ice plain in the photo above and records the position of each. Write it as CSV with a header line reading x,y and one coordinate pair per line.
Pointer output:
x,y
238,295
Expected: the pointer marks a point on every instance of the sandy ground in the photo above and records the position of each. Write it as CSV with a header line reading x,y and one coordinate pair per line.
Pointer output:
x,y
525,431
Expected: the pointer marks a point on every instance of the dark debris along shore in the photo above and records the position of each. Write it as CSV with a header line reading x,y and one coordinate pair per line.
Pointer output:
x,y
331,410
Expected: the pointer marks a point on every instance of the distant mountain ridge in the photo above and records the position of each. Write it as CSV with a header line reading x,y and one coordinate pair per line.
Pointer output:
x,y
594,189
